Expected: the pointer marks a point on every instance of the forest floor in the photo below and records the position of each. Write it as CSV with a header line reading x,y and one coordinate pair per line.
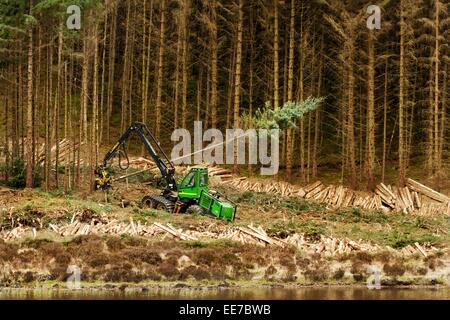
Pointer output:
x,y
112,260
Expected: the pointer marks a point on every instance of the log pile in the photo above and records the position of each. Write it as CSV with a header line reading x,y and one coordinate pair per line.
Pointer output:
x,y
243,184
330,246
223,174
387,198
66,147
142,163
439,197
324,245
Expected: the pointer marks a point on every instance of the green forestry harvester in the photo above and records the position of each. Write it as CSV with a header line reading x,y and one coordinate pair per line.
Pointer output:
x,y
191,195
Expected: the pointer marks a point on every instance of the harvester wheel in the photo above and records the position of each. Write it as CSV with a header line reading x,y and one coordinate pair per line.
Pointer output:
x,y
196,209
157,202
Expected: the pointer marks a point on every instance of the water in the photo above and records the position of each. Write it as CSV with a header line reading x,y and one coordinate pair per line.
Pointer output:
x,y
303,293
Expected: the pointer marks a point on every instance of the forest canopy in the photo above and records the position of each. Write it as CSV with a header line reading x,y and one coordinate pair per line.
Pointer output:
x,y
170,62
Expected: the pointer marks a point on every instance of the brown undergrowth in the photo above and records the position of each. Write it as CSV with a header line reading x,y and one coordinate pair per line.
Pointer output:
x,y
138,260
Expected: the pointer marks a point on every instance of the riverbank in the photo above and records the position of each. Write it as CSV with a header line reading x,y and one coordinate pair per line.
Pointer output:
x,y
125,292
135,260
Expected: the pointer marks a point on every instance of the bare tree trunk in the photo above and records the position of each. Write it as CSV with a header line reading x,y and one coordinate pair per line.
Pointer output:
x,y
7,155
29,153
144,68
159,85
111,65
230,86
301,97
443,117
66,132
126,70
186,4
237,83
251,75
350,120
275,57
131,70
370,130
199,96
214,50
149,51
84,150
177,81
290,85
102,92
94,127
37,102
385,107
401,107
317,112
57,104
48,142
436,152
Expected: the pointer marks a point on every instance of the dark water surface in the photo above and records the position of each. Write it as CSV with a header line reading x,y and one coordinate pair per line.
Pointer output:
x,y
303,293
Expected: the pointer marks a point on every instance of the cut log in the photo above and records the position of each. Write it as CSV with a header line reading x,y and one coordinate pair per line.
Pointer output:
x,y
301,193
417,199
312,186
260,236
420,249
430,193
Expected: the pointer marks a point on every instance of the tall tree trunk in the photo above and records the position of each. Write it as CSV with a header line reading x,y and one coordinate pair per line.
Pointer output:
x,y
126,70
29,153
300,98
177,80
199,96
94,127
66,132
149,52
230,86
350,120
7,155
436,152
37,102
290,85
111,65
275,57
159,86
317,120
103,78
185,19
214,50
443,117
144,68
57,104
401,106
84,147
237,83
370,129
385,109
48,142
251,75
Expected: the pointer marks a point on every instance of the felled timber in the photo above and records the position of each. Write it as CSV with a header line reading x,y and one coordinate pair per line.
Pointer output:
x,y
430,193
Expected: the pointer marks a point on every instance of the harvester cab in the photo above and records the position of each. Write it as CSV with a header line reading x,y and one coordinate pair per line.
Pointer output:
x,y
194,183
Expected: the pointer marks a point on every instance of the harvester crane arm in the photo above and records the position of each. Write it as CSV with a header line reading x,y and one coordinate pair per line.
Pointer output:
x,y
163,163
